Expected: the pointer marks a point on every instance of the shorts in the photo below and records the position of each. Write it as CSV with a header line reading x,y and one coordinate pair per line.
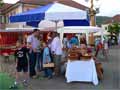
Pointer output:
x,y
21,68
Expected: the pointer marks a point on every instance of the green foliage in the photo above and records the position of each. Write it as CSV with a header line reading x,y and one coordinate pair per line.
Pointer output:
x,y
101,19
1,3
6,81
114,29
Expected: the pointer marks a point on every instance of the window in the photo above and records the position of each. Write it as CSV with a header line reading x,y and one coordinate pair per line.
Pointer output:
x,y
14,13
1,19
6,19
105,28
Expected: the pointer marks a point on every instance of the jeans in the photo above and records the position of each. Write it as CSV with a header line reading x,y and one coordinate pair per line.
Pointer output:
x,y
39,61
57,61
48,72
32,63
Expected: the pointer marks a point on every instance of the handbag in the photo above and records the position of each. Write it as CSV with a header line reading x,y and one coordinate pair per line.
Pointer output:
x,y
48,65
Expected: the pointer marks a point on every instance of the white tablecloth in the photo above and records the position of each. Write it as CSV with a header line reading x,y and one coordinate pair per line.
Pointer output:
x,y
84,71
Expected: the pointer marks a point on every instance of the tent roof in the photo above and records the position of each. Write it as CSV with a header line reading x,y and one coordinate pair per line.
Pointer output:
x,y
17,30
104,32
79,29
53,11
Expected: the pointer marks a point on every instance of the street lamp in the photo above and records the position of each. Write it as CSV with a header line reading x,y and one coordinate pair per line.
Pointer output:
x,y
92,12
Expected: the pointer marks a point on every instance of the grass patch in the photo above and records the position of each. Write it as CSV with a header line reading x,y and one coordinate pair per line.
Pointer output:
x,y
6,81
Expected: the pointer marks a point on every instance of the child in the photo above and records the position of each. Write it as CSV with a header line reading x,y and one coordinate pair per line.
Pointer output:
x,y
106,48
47,59
21,63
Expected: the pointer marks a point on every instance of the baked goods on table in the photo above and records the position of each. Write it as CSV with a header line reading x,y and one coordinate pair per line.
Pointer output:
x,y
86,57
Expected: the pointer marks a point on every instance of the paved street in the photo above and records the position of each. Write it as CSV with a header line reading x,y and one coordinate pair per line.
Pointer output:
x,y
111,79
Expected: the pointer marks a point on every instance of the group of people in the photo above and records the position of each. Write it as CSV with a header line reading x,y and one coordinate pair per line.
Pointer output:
x,y
102,47
74,40
34,53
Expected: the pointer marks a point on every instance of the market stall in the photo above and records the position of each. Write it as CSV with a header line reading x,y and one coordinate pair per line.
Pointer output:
x,y
78,29
81,70
104,32
8,40
82,66
53,15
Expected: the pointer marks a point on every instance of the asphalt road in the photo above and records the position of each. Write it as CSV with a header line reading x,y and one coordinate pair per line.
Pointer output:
x,y
111,79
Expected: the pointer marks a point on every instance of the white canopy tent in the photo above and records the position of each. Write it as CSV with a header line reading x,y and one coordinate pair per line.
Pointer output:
x,y
99,33
54,14
79,29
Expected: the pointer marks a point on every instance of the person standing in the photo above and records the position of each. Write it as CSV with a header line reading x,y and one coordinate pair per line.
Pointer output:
x,y
96,43
39,54
56,50
46,60
106,48
83,40
21,64
119,40
74,40
31,42
99,48
65,41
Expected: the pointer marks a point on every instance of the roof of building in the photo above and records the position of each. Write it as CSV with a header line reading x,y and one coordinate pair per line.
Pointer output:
x,y
44,2
5,6
66,2
114,19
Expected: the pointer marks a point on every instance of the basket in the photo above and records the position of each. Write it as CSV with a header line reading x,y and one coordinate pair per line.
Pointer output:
x,y
73,56
48,65
88,57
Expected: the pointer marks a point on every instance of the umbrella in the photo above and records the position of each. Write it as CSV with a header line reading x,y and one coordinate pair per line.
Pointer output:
x,y
53,12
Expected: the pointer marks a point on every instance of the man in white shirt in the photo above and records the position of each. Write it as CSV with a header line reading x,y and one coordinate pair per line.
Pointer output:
x,y
57,52
65,41
32,42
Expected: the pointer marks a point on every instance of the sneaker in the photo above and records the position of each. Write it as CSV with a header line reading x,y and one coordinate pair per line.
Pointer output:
x,y
25,83
14,86
53,73
34,77
49,77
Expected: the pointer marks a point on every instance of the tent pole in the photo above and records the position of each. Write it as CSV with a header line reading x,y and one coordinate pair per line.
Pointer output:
x,y
102,36
61,32
87,38
56,22
61,38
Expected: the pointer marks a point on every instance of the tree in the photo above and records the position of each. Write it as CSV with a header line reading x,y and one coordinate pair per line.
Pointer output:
x,y
114,30
1,3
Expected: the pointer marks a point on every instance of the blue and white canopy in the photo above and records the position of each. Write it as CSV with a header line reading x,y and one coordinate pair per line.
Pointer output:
x,y
51,12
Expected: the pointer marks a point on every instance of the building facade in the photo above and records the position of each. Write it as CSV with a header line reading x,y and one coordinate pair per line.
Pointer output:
x,y
8,10
114,19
